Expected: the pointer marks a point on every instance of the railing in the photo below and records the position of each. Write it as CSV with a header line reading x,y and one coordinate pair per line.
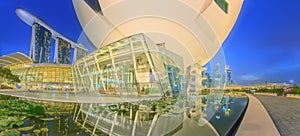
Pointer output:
x,y
168,124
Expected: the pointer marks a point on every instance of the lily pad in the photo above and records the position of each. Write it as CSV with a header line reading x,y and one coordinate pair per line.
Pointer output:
x,y
3,122
13,118
11,132
26,128
46,119
26,134
44,129
37,131
17,123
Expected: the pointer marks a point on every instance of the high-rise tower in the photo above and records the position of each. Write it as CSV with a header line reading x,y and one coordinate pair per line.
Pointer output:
x,y
40,44
228,71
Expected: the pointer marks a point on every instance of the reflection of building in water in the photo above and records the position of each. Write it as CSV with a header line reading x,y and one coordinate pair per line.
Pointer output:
x,y
127,64
196,104
132,66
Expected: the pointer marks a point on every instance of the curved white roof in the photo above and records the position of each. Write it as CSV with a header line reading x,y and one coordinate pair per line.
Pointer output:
x,y
197,28
14,58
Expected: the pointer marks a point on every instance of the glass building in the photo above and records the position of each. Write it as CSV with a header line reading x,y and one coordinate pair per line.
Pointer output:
x,y
43,77
130,66
135,73
80,53
64,51
42,44
46,77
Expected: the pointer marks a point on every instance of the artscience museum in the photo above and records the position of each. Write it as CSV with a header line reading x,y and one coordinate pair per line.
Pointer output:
x,y
151,63
150,58
150,44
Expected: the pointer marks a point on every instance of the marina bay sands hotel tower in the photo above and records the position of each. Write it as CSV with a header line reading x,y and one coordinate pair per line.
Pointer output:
x,y
41,37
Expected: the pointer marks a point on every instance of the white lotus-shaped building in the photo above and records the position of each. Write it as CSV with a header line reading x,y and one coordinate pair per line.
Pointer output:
x,y
195,29
147,69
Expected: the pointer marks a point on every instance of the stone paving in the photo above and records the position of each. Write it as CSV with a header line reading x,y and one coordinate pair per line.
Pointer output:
x,y
285,113
256,121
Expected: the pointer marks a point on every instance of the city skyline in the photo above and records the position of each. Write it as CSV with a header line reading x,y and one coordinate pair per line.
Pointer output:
x,y
263,45
251,49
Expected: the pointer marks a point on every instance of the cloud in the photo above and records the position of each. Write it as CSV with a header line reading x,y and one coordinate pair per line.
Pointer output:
x,y
249,77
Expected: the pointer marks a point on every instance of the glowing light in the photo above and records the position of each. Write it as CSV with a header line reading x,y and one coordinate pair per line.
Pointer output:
x,y
218,116
226,113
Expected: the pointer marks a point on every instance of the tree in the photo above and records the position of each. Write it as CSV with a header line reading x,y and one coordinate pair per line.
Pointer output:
x,y
6,75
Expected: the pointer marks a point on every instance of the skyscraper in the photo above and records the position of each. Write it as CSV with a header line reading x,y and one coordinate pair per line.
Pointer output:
x,y
80,53
228,71
40,51
64,51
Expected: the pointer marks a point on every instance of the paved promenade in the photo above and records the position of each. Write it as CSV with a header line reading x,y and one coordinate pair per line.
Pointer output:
x,y
191,128
71,97
256,121
285,112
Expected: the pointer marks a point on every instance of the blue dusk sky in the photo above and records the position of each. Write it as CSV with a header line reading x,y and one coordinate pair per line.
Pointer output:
x,y
264,45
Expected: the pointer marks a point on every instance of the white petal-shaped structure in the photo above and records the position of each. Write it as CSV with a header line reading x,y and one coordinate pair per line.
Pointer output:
x,y
195,29
128,66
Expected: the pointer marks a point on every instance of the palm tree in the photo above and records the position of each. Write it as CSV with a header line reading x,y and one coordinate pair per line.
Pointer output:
x,y
6,74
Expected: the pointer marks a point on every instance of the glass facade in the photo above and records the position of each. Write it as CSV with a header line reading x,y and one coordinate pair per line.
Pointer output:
x,y
126,73
130,67
134,66
80,53
42,44
64,51
46,77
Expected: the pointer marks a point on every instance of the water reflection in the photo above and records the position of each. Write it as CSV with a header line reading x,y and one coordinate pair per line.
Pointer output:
x,y
58,123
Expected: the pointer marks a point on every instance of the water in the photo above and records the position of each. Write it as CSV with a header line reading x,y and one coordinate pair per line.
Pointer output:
x,y
62,125
226,122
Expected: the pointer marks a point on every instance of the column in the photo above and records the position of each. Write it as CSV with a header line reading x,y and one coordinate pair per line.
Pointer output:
x,y
56,50
32,43
75,54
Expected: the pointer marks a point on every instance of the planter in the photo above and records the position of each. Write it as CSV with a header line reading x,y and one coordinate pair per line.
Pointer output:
x,y
269,94
293,95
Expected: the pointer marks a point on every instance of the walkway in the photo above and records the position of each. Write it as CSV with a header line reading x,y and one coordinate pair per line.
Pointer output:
x,y
76,97
256,121
191,128
285,112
